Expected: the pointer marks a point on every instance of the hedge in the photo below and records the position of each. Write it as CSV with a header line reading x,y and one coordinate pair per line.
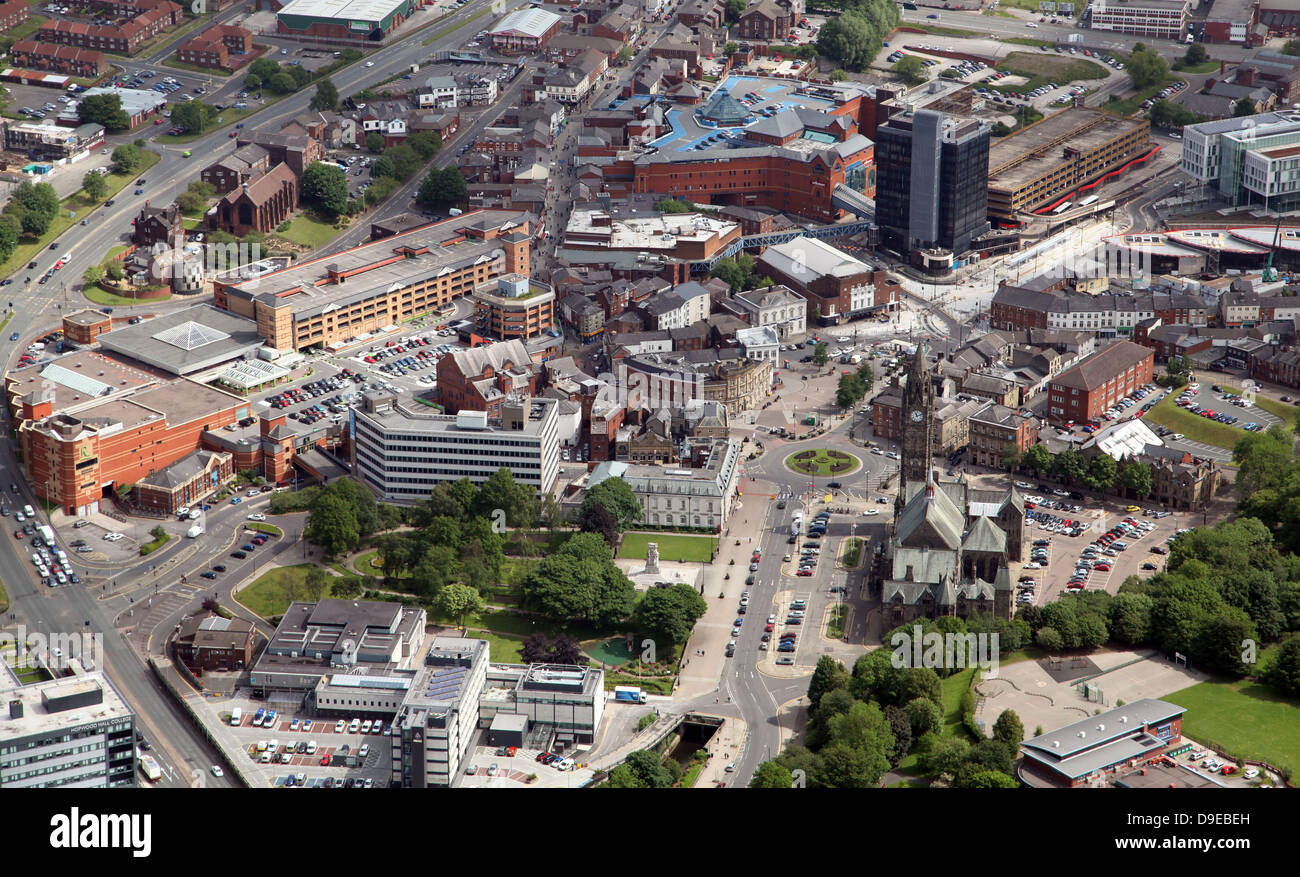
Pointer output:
x,y
151,547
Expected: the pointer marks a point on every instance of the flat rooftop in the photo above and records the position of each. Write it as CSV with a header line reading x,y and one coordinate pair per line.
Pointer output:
x,y
1038,149
81,376
375,267
37,719
353,10
644,233
186,341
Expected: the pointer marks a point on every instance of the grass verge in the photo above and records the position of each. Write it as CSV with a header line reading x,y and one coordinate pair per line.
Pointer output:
x,y
269,595
672,546
81,207
1130,105
101,296
1193,426
1288,413
4,599
308,231
202,71
151,547
452,28
268,529
820,463
835,625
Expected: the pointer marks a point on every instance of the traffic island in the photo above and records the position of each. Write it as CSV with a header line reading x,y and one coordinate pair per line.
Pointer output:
x,y
822,462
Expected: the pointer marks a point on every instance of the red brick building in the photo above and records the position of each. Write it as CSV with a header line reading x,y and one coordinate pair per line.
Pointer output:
x,y
211,642
221,46
257,206
478,379
1082,393
794,181
151,18
77,456
187,482
13,13
67,60
83,327
766,21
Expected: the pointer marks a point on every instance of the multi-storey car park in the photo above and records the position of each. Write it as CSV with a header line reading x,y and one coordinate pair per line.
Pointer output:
x,y
1048,160
333,299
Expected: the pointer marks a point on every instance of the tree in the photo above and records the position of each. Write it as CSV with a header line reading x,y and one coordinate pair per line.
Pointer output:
x,y
771,775
92,275
1292,47
912,69
1009,730
515,500
1146,67
103,109
441,187
1069,466
326,96
114,271
673,205
264,68
738,273
252,82
1136,477
669,614
617,498
1283,671
1196,54
127,159
316,583
193,116
820,354
34,206
649,769
375,142
1011,457
838,76
1164,114
1102,471
300,75
1039,459
829,675
332,525
597,519
924,716
735,9
405,161
1049,639
855,37
426,144
282,83
324,186
11,228
95,186
457,600
1130,617
1264,460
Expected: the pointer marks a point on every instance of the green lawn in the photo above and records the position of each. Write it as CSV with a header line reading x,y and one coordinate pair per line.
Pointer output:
x,y
502,649
1247,719
102,296
267,595
1195,427
23,31
1207,66
835,623
227,116
367,564
268,529
151,547
307,231
4,599
672,546
1286,411
1026,41
1045,68
821,463
953,688
1130,105
944,31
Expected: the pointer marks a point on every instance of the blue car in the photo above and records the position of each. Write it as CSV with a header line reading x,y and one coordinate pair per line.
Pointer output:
x,y
205,507
13,337
234,500
248,546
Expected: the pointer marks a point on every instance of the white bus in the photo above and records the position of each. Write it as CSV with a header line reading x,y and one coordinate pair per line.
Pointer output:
x,y
1091,199
1061,208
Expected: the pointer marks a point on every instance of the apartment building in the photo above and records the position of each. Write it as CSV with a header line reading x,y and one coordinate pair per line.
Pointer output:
x,y
513,306
1082,393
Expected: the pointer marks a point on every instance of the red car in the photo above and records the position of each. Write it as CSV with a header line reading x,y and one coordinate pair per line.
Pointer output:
x,y
18,534
804,572
324,760
233,134
1102,567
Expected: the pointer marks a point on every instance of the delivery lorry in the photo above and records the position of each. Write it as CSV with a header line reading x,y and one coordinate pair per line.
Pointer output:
x,y
629,694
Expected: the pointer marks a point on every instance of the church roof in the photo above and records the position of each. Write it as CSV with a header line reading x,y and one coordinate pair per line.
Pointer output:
x,y
930,510
985,536
926,566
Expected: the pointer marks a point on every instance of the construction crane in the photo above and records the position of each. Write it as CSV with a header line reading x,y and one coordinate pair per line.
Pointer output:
x,y
1270,273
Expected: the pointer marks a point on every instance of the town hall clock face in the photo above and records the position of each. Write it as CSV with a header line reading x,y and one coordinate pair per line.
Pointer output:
x,y
917,415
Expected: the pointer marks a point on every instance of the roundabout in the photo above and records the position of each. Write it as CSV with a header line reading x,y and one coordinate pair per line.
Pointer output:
x,y
822,462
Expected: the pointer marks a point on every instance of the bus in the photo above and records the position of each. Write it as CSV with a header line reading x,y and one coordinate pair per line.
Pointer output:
x,y
149,767
1061,208
1091,199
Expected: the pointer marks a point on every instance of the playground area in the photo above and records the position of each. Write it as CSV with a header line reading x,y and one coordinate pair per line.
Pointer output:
x,y
1057,691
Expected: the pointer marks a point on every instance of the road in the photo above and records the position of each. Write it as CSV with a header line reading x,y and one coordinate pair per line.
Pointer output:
x,y
182,752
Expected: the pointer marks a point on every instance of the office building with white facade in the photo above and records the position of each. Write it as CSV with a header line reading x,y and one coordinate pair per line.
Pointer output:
x,y
680,497
1246,160
1162,19
438,720
776,306
73,732
402,455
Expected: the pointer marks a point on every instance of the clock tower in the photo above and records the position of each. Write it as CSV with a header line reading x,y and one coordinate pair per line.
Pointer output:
x,y
918,424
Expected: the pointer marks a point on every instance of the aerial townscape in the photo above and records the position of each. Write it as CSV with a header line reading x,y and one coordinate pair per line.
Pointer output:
x,y
650,394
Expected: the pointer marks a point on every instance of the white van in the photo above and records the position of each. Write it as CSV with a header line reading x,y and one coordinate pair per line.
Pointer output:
x,y
236,717
354,726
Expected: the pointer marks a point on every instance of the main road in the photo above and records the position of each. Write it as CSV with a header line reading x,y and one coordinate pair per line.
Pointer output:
x,y
77,609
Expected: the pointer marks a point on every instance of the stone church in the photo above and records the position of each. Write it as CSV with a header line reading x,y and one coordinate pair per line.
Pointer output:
x,y
951,543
